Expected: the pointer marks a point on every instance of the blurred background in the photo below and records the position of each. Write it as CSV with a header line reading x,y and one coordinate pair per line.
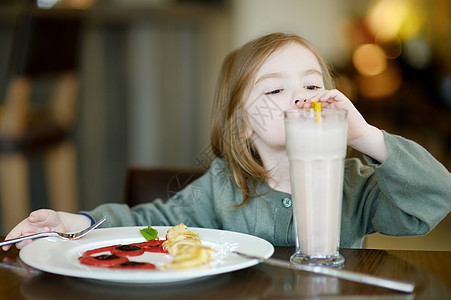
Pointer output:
x,y
146,72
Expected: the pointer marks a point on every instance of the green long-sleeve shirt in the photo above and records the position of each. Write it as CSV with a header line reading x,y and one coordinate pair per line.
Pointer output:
x,y
408,194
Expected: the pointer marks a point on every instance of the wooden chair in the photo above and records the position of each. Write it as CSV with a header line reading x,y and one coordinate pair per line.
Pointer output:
x,y
145,185
45,51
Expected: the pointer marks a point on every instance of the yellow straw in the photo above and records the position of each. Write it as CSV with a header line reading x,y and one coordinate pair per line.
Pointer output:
x,y
317,108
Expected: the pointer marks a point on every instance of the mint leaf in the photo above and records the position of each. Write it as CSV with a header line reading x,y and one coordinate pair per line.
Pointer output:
x,y
149,233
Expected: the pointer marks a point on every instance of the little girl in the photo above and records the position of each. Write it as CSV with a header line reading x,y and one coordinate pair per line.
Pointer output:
x,y
401,191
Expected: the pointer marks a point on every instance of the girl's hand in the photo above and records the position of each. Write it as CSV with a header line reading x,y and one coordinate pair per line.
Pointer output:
x,y
44,220
361,136
357,126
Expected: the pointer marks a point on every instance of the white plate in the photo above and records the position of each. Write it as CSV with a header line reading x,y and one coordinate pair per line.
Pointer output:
x,y
58,256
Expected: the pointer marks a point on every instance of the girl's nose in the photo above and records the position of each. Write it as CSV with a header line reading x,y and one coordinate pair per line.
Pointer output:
x,y
298,102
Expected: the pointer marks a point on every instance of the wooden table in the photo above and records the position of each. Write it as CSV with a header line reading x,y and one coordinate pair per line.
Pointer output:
x,y
430,270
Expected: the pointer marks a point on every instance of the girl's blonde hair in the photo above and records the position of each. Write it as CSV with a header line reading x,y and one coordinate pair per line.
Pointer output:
x,y
229,136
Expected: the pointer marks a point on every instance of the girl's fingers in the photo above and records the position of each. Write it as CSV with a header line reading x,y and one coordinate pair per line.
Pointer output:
x,y
23,244
335,99
41,216
329,98
37,221
6,248
21,229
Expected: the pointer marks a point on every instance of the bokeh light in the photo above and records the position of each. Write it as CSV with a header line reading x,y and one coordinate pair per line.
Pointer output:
x,y
73,4
46,4
369,59
392,48
381,85
395,18
417,53
80,4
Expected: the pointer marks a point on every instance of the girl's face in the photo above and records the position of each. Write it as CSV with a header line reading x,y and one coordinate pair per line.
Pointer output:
x,y
290,73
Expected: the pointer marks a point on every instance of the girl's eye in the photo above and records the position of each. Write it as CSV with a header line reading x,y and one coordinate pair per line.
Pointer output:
x,y
312,87
273,92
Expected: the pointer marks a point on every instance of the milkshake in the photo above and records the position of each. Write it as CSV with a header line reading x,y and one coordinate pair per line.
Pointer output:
x,y
316,148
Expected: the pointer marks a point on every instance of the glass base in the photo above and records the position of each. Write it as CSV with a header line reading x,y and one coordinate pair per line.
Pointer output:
x,y
337,260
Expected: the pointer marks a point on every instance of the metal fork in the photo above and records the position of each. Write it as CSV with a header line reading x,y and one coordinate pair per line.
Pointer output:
x,y
66,236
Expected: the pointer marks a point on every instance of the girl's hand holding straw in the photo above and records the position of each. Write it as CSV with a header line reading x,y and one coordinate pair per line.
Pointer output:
x,y
362,136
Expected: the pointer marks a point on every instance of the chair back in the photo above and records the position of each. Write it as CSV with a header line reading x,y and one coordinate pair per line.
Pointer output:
x,y
145,185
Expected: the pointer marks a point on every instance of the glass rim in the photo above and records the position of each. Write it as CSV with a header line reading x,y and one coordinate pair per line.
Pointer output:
x,y
295,111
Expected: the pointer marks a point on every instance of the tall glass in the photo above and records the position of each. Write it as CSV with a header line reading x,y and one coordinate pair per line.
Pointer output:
x,y
316,148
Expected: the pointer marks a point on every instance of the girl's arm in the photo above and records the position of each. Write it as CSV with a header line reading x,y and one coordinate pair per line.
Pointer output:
x,y
362,136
